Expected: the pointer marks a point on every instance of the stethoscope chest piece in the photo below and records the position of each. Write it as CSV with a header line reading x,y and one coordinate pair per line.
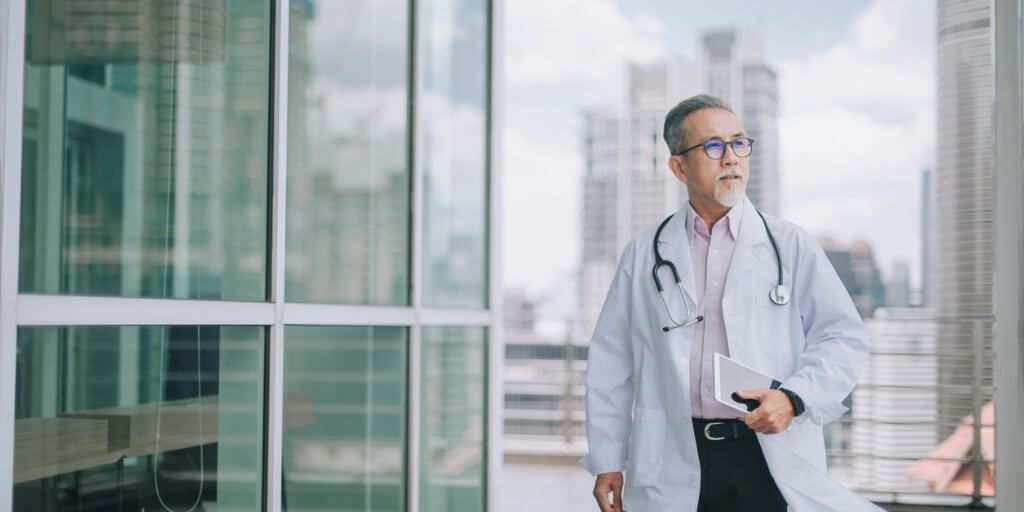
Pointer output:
x,y
779,294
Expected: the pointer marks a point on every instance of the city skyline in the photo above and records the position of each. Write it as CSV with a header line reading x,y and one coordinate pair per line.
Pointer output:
x,y
868,78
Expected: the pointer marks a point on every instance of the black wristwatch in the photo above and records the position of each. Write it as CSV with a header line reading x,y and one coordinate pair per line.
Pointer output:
x,y
795,401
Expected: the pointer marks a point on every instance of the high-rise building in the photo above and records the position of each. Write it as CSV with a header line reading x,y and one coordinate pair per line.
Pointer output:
x,y
736,72
897,287
520,313
859,273
627,184
926,235
893,410
961,219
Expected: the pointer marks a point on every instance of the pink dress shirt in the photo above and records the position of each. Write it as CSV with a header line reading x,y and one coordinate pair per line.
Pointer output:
x,y
711,253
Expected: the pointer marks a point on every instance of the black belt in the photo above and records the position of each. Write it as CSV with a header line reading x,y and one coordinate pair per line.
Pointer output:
x,y
720,430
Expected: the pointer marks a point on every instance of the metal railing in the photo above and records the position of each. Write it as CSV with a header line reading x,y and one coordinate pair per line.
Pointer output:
x,y
885,436
943,364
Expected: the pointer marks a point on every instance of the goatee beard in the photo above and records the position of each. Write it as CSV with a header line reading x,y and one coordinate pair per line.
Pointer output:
x,y
731,199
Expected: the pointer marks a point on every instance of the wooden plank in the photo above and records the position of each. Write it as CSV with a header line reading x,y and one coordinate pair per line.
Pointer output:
x,y
80,440
51,446
133,428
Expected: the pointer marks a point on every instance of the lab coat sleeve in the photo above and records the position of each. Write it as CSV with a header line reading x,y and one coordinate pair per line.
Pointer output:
x,y
836,342
609,377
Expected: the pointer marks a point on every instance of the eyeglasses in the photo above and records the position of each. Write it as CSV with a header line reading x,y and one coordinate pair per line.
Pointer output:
x,y
715,149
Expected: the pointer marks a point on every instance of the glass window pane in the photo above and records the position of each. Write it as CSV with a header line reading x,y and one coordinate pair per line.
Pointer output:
x,y
122,418
454,37
348,159
344,448
145,137
452,426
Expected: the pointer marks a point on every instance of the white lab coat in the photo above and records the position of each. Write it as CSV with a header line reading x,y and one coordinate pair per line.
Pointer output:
x,y
638,382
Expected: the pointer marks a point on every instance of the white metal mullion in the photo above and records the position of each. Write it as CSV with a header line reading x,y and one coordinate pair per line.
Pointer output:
x,y
416,279
417,135
495,340
12,52
338,314
279,175
1008,19
454,318
333,314
77,310
413,422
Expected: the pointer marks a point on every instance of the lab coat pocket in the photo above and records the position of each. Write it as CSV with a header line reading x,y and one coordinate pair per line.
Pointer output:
x,y
776,329
645,447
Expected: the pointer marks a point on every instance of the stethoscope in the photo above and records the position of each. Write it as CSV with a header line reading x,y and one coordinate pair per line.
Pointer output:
x,y
779,294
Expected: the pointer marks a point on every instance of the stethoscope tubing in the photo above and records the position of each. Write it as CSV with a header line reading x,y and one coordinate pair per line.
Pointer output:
x,y
778,294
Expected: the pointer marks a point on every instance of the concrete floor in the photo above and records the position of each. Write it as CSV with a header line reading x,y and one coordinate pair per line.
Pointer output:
x,y
929,508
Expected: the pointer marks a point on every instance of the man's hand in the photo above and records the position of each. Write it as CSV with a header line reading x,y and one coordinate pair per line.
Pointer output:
x,y
609,482
773,415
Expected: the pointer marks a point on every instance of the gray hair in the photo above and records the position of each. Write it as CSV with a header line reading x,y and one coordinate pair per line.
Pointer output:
x,y
675,135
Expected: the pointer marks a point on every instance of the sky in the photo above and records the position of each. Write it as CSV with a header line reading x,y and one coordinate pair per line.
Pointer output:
x,y
856,116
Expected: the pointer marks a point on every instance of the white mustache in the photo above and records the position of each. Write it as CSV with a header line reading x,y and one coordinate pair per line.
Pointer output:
x,y
728,174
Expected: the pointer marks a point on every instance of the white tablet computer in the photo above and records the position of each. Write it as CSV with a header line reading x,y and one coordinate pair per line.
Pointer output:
x,y
732,376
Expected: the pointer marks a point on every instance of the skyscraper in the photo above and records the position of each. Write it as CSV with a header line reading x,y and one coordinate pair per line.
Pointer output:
x,y
859,273
897,287
926,236
627,184
737,74
960,275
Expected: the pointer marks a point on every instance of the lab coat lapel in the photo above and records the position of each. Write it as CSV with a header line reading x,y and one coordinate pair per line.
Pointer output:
x,y
738,293
752,234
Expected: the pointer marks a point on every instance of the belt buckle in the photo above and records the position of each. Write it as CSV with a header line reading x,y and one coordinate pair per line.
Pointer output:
x,y
707,431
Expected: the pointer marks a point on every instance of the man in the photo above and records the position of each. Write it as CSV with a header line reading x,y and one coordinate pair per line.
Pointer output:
x,y
651,410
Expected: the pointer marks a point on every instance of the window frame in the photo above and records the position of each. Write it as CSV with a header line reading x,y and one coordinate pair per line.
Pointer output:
x,y
1008,343
275,313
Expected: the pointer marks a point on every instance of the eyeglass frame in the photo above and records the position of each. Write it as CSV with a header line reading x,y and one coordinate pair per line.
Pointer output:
x,y
727,143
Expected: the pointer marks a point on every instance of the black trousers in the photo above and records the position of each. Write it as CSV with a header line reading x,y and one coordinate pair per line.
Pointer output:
x,y
735,477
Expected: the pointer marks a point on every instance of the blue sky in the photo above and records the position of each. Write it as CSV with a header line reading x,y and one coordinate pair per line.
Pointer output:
x,y
857,120
788,27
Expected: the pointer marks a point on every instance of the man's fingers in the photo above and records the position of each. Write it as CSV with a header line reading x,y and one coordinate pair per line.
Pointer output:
x,y
758,420
753,417
605,484
601,495
756,394
745,394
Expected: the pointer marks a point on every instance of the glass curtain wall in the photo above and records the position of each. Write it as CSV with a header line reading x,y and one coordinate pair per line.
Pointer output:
x,y
147,358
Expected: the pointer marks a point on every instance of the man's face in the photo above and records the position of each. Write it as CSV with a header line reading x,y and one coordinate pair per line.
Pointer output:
x,y
724,180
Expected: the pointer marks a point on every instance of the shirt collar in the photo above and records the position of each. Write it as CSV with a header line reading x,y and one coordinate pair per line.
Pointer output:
x,y
732,220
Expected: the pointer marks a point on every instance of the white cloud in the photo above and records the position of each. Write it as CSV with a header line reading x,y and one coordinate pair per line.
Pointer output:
x,y
560,58
857,126
540,214
576,42
884,65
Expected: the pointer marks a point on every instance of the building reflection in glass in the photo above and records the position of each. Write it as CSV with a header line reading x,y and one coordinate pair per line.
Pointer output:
x,y
145,142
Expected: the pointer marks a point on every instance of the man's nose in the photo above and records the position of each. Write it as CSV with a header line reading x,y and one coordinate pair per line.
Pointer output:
x,y
729,156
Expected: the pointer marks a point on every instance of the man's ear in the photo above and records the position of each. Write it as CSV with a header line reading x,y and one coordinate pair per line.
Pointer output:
x,y
678,165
